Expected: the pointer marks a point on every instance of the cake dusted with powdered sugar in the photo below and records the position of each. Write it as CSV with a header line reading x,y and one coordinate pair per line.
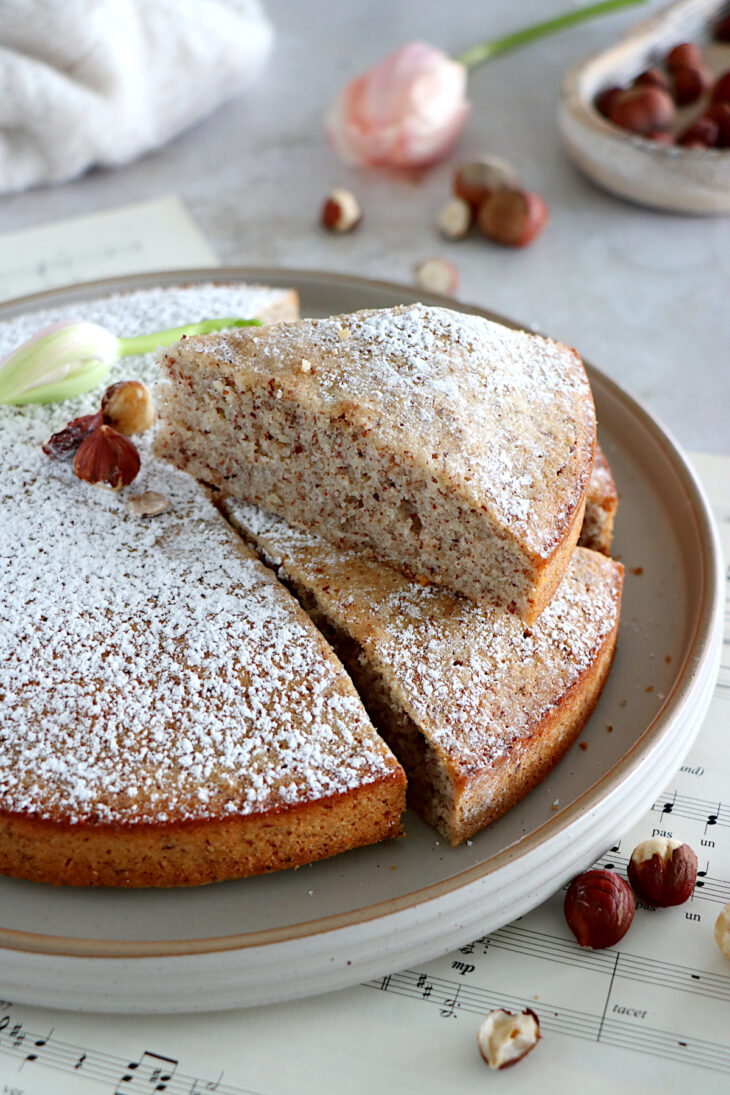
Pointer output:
x,y
453,448
168,713
477,707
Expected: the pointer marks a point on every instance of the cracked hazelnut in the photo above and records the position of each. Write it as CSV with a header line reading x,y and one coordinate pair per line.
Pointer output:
x,y
504,1038
599,907
63,445
454,220
643,110
107,458
127,407
513,218
722,930
437,276
663,871
475,181
341,211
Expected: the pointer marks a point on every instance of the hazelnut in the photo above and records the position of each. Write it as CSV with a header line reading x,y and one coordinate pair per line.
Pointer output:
x,y
605,100
437,276
722,930
721,89
720,113
476,180
643,110
454,220
663,871
686,53
149,504
107,459
513,217
504,1038
599,907
721,30
689,84
703,133
341,211
127,407
63,445
653,77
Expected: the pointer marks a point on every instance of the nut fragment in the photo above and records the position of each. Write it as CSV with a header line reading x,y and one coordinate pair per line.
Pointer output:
x,y
476,180
722,930
504,1038
454,220
513,217
148,504
643,110
127,407
341,211
107,458
437,276
63,445
599,907
663,871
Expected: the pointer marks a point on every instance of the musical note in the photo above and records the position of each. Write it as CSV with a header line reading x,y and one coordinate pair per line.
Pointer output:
x,y
152,1072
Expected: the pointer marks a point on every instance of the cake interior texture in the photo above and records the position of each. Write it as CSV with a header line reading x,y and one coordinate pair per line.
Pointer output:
x,y
170,715
453,448
477,706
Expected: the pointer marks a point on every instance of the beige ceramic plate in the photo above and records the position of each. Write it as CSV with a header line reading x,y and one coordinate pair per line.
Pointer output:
x,y
377,909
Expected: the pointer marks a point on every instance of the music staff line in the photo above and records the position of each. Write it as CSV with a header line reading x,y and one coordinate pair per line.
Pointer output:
x,y
694,809
151,1073
619,964
451,998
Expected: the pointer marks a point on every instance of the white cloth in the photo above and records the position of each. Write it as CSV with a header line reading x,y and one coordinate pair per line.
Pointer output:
x,y
87,82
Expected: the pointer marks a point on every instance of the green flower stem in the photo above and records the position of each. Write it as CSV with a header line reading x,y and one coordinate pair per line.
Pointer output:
x,y
144,344
477,55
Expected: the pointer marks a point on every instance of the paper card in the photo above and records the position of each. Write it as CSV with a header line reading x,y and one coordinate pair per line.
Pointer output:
x,y
136,239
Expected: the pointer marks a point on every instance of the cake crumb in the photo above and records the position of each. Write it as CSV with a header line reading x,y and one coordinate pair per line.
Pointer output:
x,y
583,745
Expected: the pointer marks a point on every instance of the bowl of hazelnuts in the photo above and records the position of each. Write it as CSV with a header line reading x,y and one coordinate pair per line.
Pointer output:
x,y
649,119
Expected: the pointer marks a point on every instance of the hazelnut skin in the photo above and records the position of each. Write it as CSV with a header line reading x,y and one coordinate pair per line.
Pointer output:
x,y
643,110
599,907
653,77
107,459
663,872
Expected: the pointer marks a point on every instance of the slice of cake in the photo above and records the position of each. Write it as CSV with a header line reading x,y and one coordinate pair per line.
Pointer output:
x,y
477,706
601,506
454,448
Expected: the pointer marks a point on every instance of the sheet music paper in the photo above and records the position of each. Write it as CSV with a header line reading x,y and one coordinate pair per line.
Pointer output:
x,y
651,1015
155,235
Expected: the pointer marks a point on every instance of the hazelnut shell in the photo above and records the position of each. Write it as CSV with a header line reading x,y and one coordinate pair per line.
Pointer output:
x,y
599,907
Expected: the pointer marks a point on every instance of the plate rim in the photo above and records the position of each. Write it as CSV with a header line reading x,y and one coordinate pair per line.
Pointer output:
x,y
699,648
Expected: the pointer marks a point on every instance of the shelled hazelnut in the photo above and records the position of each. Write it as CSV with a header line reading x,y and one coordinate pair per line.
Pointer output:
x,y
504,1038
599,907
663,871
128,407
341,211
437,276
722,930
